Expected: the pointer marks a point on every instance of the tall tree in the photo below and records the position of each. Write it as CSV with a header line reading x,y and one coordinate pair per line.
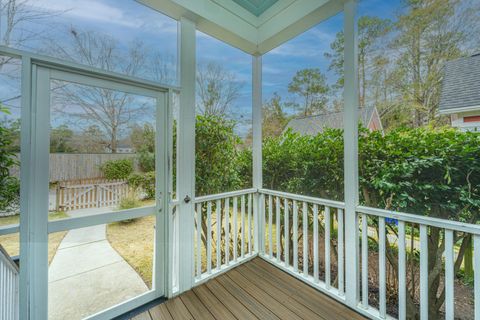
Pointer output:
x,y
311,86
91,140
61,139
111,111
217,89
370,30
429,33
274,117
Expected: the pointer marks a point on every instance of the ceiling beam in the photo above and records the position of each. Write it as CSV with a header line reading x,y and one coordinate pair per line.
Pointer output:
x,y
294,20
211,19
232,24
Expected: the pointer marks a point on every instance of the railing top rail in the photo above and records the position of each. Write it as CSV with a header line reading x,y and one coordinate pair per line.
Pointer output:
x,y
292,196
9,229
6,257
424,220
224,195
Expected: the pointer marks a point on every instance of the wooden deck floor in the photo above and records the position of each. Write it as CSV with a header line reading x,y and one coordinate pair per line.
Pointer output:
x,y
254,290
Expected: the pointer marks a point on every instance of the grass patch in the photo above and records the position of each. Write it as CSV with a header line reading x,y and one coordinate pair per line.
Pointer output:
x,y
5,221
134,241
11,242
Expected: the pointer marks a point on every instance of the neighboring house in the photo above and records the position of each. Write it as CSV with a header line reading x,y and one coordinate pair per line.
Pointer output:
x,y
125,148
312,125
122,148
460,96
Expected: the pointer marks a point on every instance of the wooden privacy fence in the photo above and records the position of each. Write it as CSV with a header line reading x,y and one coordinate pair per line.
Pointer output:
x,y
70,166
90,193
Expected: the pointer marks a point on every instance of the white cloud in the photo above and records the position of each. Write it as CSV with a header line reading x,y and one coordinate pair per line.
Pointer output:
x,y
96,11
303,49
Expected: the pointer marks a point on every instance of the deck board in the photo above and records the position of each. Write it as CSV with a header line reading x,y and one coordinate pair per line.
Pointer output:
x,y
254,290
213,304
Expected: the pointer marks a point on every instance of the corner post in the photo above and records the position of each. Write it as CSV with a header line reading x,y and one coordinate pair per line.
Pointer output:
x,y
351,154
257,149
186,154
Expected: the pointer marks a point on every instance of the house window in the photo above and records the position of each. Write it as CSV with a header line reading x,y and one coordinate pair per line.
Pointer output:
x,y
471,119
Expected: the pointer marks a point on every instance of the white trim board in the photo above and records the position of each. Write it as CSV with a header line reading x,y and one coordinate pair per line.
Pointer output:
x,y
232,24
459,110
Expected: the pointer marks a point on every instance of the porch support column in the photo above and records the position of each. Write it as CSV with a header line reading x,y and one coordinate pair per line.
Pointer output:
x,y
186,154
257,147
350,121
34,192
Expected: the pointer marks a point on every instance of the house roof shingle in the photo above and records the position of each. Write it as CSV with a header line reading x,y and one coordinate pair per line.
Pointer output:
x,y
461,84
312,125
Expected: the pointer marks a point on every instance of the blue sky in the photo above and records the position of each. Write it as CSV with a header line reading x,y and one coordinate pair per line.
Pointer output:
x,y
127,21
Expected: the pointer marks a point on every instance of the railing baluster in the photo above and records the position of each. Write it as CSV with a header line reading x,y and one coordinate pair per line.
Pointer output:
x,y
305,239
402,273
364,260
476,281
315,243
242,209
381,266
235,231
227,231
250,223
287,233
270,238
341,250
263,223
209,237
278,227
327,247
295,236
199,239
449,276
423,272
219,233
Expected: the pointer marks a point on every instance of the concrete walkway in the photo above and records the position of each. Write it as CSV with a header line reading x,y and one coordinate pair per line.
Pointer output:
x,y
87,275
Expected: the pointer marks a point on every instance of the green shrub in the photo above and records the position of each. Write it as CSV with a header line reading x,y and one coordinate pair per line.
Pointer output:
x,y
117,169
146,161
129,203
10,193
143,182
9,186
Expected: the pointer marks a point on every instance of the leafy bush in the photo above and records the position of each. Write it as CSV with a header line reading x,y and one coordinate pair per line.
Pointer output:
x,y
117,169
9,186
143,182
216,155
146,161
10,194
129,203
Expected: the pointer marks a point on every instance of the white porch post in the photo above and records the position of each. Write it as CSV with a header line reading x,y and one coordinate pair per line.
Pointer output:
x,y
351,154
186,154
257,147
34,192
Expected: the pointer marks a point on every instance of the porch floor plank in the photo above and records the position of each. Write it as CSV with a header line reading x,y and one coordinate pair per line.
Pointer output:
x,y
254,290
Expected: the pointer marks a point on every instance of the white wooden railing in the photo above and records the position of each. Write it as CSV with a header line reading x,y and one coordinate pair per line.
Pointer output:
x,y
9,283
231,228
224,232
289,219
424,224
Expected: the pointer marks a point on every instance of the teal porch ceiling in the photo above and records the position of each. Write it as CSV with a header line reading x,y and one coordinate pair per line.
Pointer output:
x,y
256,7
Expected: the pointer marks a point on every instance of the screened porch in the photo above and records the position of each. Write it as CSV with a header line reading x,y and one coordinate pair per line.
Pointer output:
x,y
245,254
